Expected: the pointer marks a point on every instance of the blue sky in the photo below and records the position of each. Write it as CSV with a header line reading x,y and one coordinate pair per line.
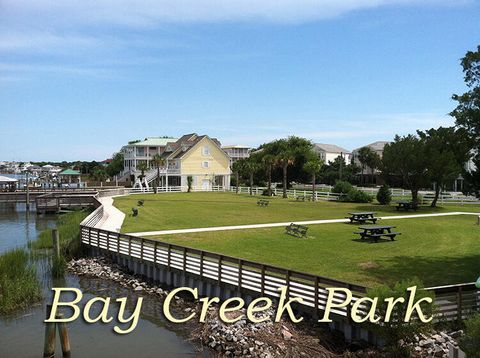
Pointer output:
x,y
78,79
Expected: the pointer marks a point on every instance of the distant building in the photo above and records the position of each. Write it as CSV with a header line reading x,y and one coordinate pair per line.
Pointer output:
x,y
330,152
377,147
69,178
237,152
137,152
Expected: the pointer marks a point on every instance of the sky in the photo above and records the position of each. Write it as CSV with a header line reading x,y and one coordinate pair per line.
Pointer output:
x,y
80,78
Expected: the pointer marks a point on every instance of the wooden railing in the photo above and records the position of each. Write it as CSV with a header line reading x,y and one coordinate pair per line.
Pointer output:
x,y
456,302
243,274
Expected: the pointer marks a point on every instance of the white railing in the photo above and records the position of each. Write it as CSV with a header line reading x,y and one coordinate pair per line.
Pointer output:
x,y
176,188
291,193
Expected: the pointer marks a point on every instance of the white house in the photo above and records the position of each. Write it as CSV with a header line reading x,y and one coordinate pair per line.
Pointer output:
x,y
237,152
330,152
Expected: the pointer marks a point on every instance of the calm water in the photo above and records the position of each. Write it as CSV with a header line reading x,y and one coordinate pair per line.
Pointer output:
x,y
22,334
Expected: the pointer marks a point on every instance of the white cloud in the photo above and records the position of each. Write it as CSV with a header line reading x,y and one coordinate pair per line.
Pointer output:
x,y
152,12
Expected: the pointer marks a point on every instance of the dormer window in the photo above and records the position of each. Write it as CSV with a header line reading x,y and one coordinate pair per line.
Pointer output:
x,y
206,150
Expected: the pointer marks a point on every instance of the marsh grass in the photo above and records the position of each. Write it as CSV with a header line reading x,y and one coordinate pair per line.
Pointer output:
x,y
19,285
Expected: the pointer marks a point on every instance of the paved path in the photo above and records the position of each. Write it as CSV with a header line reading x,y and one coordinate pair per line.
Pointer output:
x,y
311,222
112,219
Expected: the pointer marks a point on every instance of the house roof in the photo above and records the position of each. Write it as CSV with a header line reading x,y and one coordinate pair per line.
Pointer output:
x,y
4,180
331,148
154,142
377,146
69,172
186,143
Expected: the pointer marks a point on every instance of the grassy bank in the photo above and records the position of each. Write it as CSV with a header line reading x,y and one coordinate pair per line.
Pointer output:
x,y
19,286
68,226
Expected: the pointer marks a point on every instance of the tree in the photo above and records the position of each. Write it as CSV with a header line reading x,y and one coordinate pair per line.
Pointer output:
x,y
362,156
447,150
237,168
368,158
268,160
405,157
142,166
384,195
116,165
329,173
159,162
250,167
467,112
313,167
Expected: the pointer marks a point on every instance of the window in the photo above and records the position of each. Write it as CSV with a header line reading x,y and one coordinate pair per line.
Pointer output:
x,y
205,164
206,150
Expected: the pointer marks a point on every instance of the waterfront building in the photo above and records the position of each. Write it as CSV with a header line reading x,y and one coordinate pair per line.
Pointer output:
x,y
330,152
70,178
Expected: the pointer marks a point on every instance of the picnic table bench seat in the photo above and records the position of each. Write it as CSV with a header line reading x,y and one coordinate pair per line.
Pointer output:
x,y
134,211
406,205
296,230
377,232
141,202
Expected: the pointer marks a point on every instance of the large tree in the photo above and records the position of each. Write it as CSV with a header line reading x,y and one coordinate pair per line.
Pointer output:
x,y
405,157
313,167
467,113
116,165
447,151
330,172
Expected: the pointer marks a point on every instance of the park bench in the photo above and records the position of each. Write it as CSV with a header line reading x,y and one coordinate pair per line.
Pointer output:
x,y
134,211
362,217
296,230
377,232
262,202
141,202
406,205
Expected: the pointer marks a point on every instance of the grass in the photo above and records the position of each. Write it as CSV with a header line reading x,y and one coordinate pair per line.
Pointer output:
x,y
19,286
68,226
191,210
438,251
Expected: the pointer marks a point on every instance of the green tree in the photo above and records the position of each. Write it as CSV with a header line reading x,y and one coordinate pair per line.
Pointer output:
x,y
447,150
238,168
368,159
405,157
116,165
467,112
159,162
384,195
330,173
313,167
363,154
250,167
268,161
143,167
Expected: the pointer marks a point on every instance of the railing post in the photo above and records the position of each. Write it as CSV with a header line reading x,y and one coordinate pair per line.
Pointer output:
x,y
201,263
155,247
141,249
262,285
220,269
459,303
169,254
129,246
316,293
240,264
287,280
184,263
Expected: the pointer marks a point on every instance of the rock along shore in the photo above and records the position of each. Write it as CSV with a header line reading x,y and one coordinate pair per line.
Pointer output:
x,y
265,339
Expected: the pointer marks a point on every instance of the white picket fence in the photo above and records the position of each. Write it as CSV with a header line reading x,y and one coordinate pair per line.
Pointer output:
x,y
176,189
291,193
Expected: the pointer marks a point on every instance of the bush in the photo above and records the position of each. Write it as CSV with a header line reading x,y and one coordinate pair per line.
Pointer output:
x,y
19,286
384,196
396,330
357,196
342,187
470,341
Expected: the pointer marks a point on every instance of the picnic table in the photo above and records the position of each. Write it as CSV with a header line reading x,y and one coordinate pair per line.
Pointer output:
x,y
362,217
406,205
304,197
134,211
262,202
296,230
376,232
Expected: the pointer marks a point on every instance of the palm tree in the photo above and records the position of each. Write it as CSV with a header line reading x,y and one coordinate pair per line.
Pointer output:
x,y
251,166
159,162
363,155
268,161
142,166
285,157
312,167
237,168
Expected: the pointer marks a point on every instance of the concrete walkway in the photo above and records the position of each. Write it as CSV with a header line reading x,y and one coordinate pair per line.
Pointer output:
x,y
311,222
112,219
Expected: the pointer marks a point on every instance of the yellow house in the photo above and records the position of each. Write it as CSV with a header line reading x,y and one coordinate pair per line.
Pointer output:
x,y
197,156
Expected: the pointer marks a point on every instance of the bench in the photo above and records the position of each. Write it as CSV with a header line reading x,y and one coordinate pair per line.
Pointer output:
x,y
140,202
304,197
134,211
390,235
262,202
361,220
296,230
406,205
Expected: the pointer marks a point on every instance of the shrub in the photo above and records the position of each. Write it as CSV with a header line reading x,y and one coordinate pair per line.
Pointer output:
x,y
357,196
189,183
342,187
396,330
384,196
19,286
470,341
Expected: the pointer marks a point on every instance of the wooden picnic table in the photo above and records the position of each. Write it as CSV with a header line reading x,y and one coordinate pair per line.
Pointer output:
x,y
304,197
406,205
362,217
376,232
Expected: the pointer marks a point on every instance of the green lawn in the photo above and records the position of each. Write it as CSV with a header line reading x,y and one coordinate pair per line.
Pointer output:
x,y
191,210
440,251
